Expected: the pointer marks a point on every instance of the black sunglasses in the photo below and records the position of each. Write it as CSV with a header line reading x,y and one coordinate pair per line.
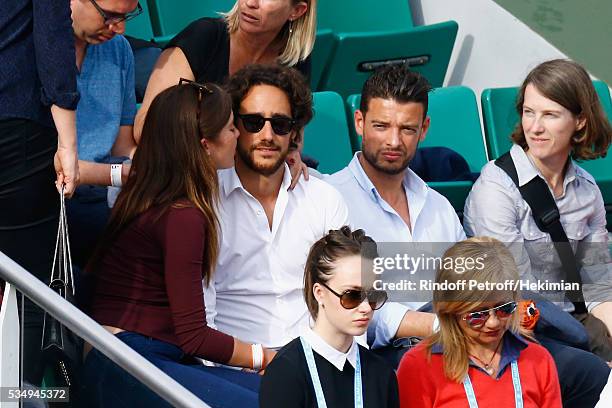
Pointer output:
x,y
254,122
351,298
202,89
116,18
479,318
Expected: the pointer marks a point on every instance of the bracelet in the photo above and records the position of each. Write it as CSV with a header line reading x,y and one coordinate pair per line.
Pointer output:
x,y
435,327
257,356
115,175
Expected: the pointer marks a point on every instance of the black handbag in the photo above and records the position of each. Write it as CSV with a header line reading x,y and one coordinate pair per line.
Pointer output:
x,y
62,349
546,216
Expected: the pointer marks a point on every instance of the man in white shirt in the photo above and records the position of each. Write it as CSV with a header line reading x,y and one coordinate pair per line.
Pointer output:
x,y
386,198
267,229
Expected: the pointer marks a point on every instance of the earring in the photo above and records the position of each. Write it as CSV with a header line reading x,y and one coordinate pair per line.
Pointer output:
x,y
290,27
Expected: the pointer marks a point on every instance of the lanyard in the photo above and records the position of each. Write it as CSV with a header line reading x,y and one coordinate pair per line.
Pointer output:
x,y
314,375
516,382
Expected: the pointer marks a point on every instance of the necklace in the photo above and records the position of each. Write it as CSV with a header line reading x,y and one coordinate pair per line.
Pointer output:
x,y
488,367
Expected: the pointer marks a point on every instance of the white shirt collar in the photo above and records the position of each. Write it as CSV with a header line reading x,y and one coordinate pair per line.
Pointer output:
x,y
229,180
526,170
335,357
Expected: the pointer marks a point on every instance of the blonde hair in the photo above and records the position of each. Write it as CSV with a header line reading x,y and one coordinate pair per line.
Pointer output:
x,y
494,264
299,43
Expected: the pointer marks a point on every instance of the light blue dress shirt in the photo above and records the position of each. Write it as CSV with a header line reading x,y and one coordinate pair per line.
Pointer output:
x,y
432,217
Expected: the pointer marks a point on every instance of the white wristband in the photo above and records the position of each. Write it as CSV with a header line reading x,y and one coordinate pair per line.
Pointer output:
x,y
257,356
435,327
115,175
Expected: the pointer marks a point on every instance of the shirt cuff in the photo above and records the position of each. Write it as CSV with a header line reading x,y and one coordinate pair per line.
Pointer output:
x,y
385,324
68,100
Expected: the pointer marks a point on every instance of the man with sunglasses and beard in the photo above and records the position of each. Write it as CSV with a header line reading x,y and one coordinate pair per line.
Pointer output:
x,y
267,229
387,199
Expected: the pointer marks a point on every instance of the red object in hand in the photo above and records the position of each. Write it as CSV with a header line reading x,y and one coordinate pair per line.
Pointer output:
x,y
529,314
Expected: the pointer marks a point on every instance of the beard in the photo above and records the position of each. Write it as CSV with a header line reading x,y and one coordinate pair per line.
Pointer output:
x,y
376,160
265,167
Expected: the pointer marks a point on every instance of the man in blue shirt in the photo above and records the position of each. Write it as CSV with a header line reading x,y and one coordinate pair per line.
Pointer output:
x,y
385,197
105,113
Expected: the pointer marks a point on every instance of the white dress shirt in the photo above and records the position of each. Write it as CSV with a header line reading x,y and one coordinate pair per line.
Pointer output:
x,y
256,293
331,354
496,208
432,217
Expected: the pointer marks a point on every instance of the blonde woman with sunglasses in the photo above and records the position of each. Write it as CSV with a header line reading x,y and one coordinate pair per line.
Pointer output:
x,y
325,367
480,357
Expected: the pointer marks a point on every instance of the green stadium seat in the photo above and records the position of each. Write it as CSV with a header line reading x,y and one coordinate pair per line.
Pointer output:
x,y
169,17
455,123
360,15
324,46
140,27
326,136
427,49
500,118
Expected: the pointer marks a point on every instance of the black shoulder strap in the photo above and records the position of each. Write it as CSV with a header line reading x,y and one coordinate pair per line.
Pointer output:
x,y
546,216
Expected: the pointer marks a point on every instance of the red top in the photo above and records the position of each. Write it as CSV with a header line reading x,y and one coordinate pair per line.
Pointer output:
x,y
150,282
422,383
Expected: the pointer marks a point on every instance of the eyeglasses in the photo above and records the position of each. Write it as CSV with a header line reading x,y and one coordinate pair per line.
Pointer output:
x,y
351,298
254,122
200,87
116,18
477,319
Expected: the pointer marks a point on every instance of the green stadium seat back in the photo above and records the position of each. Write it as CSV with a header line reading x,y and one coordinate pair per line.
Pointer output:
x,y
432,45
455,123
326,136
169,17
360,15
140,27
352,104
500,118
324,46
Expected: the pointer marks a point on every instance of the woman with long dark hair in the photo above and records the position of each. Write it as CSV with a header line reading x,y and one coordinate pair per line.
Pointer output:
x,y
161,242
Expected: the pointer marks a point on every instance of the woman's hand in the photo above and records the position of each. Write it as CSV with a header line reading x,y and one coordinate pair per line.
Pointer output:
x,y
268,356
66,165
297,168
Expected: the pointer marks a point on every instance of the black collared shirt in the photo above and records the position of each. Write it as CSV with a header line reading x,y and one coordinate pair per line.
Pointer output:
x,y
37,59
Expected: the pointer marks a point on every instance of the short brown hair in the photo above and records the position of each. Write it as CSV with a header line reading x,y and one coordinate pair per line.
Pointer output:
x,y
398,83
324,253
568,84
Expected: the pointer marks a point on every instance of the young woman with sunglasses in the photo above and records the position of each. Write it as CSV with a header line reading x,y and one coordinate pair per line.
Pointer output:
x,y
326,367
480,357
161,243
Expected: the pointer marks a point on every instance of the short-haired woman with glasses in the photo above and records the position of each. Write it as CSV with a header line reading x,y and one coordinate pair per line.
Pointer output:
x,y
480,357
325,367
162,241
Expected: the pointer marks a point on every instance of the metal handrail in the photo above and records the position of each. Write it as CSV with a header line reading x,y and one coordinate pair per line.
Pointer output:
x,y
81,324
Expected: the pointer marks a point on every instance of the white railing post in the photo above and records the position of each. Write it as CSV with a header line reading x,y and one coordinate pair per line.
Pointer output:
x,y
9,342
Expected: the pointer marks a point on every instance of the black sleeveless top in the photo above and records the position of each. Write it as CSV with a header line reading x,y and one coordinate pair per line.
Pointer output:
x,y
206,44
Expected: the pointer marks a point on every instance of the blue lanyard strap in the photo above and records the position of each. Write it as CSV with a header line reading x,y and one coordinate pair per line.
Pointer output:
x,y
316,382
516,383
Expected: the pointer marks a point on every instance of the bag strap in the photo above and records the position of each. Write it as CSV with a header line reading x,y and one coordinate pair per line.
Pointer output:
x,y
62,256
546,216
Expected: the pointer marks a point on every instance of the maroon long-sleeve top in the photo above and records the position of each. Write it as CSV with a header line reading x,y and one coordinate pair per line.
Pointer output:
x,y
150,282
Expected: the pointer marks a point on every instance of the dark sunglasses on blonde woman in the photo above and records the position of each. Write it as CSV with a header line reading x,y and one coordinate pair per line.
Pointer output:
x,y
351,298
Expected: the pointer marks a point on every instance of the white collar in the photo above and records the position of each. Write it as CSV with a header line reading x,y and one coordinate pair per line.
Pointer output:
x,y
335,357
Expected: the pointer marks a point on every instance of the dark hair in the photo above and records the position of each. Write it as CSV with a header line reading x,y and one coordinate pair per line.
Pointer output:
x,y
396,82
215,110
568,84
171,165
325,252
289,80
